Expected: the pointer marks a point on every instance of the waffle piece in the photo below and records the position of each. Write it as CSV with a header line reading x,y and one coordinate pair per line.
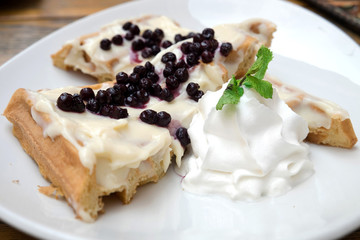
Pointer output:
x,y
329,124
87,156
85,54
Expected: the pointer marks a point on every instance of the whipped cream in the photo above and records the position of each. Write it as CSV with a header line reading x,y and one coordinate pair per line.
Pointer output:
x,y
246,151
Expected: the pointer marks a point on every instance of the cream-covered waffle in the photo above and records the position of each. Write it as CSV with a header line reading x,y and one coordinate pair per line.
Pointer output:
x,y
103,60
123,44
328,123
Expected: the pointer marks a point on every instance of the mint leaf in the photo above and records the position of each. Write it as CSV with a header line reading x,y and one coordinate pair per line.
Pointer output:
x,y
264,88
252,79
230,96
259,67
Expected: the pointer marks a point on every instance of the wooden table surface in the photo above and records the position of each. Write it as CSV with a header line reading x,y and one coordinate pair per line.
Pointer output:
x,y
23,22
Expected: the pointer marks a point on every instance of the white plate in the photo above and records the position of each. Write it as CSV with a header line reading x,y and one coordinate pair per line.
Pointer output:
x,y
326,206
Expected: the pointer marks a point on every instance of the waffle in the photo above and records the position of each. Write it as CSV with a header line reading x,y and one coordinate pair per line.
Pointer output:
x,y
329,124
84,54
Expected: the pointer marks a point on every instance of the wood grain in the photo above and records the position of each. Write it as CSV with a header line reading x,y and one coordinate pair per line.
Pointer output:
x,y
23,22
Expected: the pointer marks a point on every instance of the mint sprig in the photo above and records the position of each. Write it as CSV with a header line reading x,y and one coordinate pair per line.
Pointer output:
x,y
252,79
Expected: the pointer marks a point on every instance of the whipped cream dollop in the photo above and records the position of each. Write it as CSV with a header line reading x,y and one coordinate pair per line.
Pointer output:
x,y
246,151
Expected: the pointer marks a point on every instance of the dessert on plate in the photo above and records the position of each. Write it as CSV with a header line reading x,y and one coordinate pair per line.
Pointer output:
x,y
112,137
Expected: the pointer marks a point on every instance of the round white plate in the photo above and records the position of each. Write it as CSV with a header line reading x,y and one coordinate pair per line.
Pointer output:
x,y
325,206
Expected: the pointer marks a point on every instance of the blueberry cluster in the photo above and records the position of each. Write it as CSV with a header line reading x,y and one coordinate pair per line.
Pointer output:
x,y
102,103
203,47
148,43
176,73
161,119
193,91
136,88
183,136
178,37
71,103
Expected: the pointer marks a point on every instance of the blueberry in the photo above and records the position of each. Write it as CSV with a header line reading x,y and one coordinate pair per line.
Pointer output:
x,y
197,95
116,97
149,66
117,40
168,57
170,65
192,88
226,48
166,95
214,45
207,56
132,101
205,45
78,104
105,110
127,25
190,35
64,101
178,37
195,48
93,105
142,96
149,43
141,70
129,36
122,78
155,37
208,33
121,88
198,38
147,53
137,45
134,29
103,97
192,59
163,119
155,49
155,90
185,47
147,34
181,64
181,74
105,44
152,76
159,32
168,71
134,78
183,136
131,88
172,83
166,44
148,116
86,94
117,112
145,83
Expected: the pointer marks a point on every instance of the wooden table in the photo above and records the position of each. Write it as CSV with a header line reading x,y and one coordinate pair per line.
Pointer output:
x,y
22,22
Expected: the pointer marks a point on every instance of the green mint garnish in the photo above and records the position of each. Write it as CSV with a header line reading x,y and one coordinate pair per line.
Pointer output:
x,y
252,79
